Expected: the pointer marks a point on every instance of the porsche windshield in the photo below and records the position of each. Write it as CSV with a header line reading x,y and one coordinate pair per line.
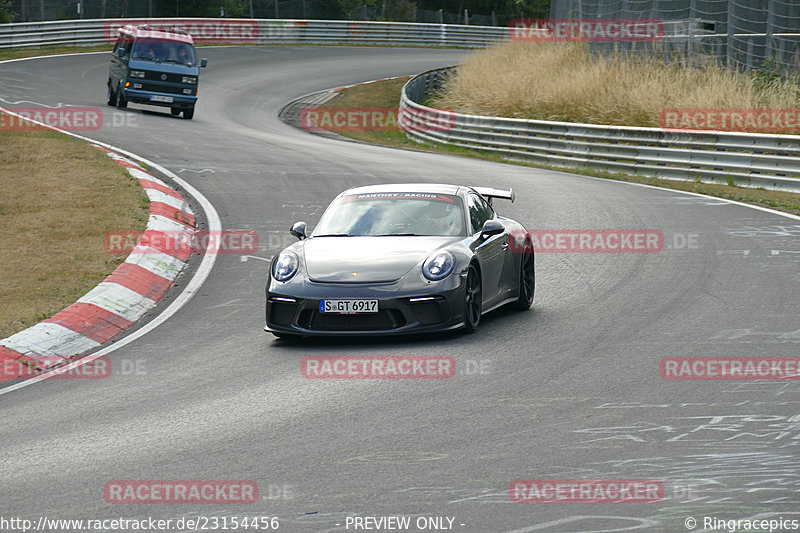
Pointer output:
x,y
160,51
387,214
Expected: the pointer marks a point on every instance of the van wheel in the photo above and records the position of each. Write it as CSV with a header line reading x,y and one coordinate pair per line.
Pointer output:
x,y
188,113
111,97
175,111
122,103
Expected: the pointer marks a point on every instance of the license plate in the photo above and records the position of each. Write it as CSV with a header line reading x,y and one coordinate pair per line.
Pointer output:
x,y
348,307
159,98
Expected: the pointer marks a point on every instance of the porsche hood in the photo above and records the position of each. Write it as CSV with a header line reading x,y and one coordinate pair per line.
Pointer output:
x,y
367,259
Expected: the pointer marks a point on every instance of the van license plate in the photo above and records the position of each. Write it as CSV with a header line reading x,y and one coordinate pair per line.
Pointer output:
x,y
159,98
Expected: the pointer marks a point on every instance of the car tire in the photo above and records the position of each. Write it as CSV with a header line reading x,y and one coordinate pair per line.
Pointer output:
x,y
473,300
527,279
111,96
175,111
122,103
188,113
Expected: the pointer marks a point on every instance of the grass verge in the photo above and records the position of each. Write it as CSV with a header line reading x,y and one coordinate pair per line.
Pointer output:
x,y
19,53
60,197
386,95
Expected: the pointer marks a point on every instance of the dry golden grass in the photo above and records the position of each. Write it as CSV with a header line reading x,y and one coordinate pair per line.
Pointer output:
x,y
564,82
60,196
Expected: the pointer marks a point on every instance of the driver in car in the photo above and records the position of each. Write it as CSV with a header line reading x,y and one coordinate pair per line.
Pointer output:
x,y
444,219
183,56
146,52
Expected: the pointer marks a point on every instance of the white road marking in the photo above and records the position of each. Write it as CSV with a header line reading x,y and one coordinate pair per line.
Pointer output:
x,y
244,258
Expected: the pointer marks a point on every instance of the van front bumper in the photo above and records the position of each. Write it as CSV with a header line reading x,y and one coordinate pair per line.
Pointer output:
x,y
180,101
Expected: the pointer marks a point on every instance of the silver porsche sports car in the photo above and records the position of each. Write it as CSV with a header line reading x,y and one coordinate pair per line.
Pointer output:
x,y
402,258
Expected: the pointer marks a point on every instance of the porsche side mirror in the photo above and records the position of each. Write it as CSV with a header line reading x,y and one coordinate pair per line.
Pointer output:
x,y
299,230
203,62
491,227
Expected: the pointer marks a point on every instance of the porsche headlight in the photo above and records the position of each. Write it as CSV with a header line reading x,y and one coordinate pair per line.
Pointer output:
x,y
438,266
285,266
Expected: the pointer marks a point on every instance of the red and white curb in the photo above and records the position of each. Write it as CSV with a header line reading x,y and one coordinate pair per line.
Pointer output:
x,y
125,296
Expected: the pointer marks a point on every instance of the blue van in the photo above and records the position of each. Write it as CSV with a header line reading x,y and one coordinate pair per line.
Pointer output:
x,y
156,66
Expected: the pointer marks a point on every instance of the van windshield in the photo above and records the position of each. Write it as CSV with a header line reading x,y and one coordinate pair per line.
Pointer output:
x,y
164,52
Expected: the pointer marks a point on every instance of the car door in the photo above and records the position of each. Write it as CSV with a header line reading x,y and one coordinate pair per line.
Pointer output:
x,y
491,252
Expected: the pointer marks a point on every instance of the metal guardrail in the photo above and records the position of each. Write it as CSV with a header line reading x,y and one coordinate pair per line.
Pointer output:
x,y
744,159
257,31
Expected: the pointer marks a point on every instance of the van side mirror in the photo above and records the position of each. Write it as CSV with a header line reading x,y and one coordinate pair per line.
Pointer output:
x,y
120,52
203,62
299,230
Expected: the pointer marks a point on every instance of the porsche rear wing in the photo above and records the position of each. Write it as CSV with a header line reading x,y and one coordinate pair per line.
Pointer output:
x,y
489,193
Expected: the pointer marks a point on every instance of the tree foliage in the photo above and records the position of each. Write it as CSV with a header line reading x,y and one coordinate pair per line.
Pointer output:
x,y
6,15
390,10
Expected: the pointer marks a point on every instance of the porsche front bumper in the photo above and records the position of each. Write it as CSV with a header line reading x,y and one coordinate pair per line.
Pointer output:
x,y
421,311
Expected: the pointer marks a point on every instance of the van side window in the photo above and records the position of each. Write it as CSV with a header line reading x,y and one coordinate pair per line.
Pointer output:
x,y
125,42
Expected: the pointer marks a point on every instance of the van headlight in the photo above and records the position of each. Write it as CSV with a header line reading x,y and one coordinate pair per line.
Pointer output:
x,y
439,265
137,74
192,80
285,266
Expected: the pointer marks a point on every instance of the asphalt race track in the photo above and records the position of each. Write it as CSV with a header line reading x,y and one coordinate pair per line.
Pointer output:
x,y
569,390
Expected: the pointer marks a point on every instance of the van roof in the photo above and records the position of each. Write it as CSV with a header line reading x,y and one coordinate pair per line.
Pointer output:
x,y
167,33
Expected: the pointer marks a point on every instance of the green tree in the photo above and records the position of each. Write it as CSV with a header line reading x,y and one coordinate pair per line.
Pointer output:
x,y
399,10
505,10
6,15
